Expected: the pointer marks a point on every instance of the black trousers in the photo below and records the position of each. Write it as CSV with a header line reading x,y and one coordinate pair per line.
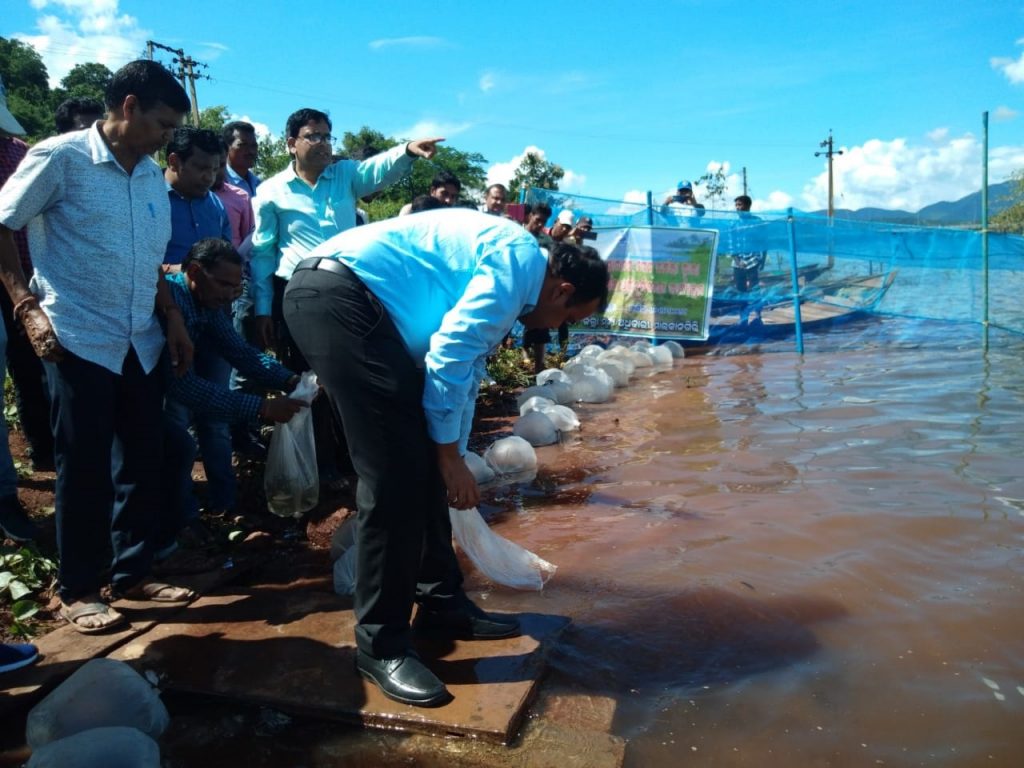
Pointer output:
x,y
404,533
108,437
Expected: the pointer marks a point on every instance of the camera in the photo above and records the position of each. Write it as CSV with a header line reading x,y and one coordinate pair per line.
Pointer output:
x,y
586,234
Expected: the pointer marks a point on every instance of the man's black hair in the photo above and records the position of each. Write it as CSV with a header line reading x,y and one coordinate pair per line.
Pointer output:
x,y
302,116
209,252
542,209
745,199
443,178
65,114
227,133
425,203
150,83
585,269
187,140
503,187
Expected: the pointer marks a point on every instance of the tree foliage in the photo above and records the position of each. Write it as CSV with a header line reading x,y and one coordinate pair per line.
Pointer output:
x,y
214,118
535,171
86,81
28,88
1011,219
714,183
273,157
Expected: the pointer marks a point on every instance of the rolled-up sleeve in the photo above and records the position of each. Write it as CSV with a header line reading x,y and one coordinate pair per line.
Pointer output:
x,y
32,188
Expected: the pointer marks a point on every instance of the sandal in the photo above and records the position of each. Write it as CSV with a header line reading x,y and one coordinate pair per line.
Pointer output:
x,y
82,609
157,592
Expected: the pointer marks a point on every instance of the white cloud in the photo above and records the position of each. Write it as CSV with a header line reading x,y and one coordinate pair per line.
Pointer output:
x,y
408,42
426,129
501,173
262,129
1003,114
897,174
90,30
1012,69
487,81
573,182
938,135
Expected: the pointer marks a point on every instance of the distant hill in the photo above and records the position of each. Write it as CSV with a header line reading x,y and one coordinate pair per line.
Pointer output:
x,y
966,210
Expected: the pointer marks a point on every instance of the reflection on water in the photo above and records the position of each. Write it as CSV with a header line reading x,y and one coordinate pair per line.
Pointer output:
x,y
799,561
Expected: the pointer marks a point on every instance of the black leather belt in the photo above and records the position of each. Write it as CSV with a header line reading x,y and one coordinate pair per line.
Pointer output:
x,y
321,262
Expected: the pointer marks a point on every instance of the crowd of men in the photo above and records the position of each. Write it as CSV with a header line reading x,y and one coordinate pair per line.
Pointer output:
x,y
145,304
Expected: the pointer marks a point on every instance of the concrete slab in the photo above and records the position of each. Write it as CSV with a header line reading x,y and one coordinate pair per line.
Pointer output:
x,y
295,651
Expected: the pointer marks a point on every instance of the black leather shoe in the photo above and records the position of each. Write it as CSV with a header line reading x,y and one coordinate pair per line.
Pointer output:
x,y
466,621
404,679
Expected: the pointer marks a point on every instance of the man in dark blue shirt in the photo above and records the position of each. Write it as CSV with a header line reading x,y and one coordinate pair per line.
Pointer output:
x,y
210,279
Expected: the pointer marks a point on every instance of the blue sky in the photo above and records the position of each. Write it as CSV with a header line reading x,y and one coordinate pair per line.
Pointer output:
x,y
625,97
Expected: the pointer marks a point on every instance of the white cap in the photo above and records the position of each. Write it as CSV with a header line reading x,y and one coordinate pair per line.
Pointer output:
x,y
7,122
564,217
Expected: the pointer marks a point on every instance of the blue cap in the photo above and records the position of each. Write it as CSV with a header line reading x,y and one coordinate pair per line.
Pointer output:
x,y
684,184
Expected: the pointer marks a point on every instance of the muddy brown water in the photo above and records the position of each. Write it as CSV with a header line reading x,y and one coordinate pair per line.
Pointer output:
x,y
776,560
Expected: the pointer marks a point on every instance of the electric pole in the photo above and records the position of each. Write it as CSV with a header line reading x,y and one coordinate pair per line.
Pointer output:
x,y
829,153
744,179
186,73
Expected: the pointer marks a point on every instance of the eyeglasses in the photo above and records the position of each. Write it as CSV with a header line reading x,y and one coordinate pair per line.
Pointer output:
x,y
318,138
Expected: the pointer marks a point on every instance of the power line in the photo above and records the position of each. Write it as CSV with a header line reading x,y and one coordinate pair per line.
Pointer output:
x,y
186,72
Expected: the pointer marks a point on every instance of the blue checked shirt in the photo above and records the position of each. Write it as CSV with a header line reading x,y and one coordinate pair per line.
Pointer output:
x,y
203,396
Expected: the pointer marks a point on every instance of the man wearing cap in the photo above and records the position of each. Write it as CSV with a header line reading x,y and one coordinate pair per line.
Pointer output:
x,y
684,198
14,521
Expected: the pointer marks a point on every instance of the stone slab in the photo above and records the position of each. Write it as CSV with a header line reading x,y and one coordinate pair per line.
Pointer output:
x,y
295,652
65,649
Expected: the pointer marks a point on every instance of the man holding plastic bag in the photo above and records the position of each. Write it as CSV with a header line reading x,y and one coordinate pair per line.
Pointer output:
x,y
397,319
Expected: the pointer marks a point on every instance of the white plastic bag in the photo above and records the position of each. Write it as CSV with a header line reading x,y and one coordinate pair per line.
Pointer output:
x,y
536,428
101,693
290,480
110,747
482,471
499,559
511,455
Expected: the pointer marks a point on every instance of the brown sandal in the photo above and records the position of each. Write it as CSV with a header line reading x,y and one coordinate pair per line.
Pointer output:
x,y
157,592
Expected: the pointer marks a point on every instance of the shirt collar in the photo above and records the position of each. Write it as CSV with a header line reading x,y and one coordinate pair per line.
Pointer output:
x,y
101,153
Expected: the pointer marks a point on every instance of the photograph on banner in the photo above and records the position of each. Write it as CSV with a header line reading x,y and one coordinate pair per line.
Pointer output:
x,y
661,282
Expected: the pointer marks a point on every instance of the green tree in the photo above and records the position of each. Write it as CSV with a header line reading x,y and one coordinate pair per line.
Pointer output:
x,y
366,142
1011,219
87,81
535,171
273,157
714,183
28,88
214,118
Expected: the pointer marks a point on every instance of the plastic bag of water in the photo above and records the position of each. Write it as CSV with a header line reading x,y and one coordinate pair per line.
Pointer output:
x,y
536,428
290,480
499,559
511,455
113,747
101,693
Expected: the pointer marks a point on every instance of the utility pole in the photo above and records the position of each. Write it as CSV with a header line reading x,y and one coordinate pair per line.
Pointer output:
x,y
744,179
829,153
186,73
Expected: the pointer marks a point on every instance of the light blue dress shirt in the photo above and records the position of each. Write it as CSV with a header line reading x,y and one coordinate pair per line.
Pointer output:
x,y
293,218
454,281
97,237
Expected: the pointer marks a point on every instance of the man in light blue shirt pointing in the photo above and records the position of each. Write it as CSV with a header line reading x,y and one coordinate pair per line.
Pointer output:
x,y
397,319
